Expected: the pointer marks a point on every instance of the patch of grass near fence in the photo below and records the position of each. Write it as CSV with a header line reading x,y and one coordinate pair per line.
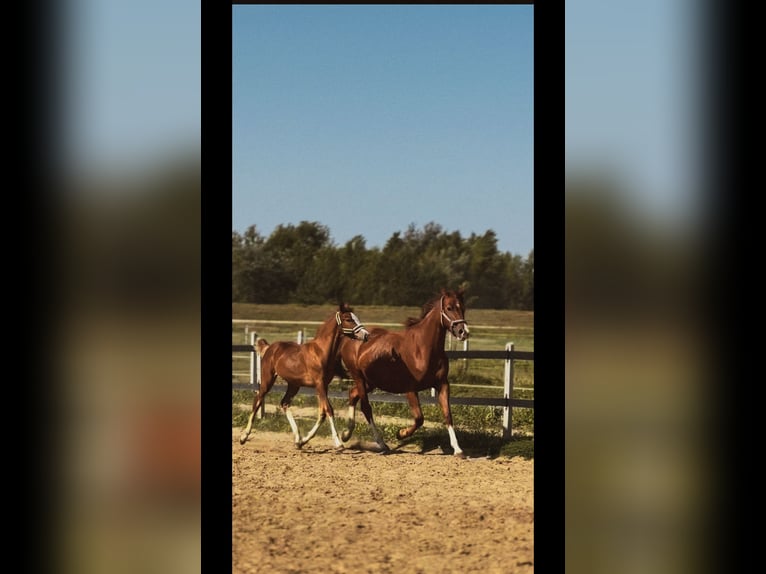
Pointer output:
x,y
475,443
465,417
478,428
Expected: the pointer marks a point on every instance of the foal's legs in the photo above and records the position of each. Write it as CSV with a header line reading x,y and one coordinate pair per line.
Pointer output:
x,y
444,404
266,385
292,390
325,409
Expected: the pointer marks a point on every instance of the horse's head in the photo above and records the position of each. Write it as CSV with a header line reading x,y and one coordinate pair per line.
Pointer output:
x,y
453,314
350,324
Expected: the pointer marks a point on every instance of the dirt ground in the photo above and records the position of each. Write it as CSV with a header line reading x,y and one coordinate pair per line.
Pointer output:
x,y
320,510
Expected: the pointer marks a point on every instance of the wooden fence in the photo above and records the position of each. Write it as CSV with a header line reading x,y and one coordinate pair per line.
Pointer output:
x,y
507,402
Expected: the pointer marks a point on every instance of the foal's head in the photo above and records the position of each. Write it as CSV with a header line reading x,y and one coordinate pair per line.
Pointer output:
x,y
350,324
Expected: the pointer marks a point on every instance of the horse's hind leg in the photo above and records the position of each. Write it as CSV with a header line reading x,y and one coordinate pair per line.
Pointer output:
x,y
266,384
417,414
292,390
314,429
335,438
320,420
325,410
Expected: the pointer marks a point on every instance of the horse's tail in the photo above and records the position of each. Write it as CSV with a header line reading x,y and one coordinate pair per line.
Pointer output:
x,y
261,345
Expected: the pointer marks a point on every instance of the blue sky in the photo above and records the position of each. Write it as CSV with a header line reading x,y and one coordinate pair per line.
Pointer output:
x,y
131,75
369,118
633,99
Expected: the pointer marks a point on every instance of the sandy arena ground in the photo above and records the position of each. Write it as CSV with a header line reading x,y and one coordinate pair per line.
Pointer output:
x,y
318,510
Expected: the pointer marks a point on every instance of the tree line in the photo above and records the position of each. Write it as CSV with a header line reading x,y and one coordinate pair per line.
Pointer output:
x,y
301,264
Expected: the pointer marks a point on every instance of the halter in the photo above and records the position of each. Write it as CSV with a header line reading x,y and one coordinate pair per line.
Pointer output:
x,y
346,331
452,322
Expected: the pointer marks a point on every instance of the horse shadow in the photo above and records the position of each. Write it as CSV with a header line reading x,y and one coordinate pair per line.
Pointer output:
x,y
432,445
424,445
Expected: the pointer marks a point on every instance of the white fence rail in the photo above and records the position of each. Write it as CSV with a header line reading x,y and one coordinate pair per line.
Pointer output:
x,y
509,355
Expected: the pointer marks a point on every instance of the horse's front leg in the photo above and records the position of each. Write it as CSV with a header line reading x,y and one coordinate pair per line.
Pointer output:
x,y
325,410
267,381
353,398
357,392
443,396
376,435
315,428
417,414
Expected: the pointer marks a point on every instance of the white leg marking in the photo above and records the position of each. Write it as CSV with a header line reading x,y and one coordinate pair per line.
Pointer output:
x,y
314,430
245,433
335,438
453,440
294,426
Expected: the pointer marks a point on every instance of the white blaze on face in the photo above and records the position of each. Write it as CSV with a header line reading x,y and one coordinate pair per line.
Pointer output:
x,y
358,327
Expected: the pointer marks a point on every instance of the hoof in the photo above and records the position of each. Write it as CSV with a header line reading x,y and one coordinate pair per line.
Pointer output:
x,y
299,444
345,435
383,449
242,439
401,434
460,454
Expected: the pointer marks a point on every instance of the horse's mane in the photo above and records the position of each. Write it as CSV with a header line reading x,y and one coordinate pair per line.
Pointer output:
x,y
412,321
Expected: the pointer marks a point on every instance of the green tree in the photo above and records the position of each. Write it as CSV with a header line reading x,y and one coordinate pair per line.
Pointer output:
x,y
322,281
291,250
486,272
301,264
357,271
528,294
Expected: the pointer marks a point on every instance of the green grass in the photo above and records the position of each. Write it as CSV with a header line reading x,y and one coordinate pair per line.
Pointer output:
x,y
475,443
477,427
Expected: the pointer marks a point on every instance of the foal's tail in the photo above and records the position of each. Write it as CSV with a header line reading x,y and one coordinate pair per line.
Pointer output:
x,y
261,345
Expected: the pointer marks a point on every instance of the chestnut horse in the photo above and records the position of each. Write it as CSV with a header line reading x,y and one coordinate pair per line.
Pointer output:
x,y
406,362
310,364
